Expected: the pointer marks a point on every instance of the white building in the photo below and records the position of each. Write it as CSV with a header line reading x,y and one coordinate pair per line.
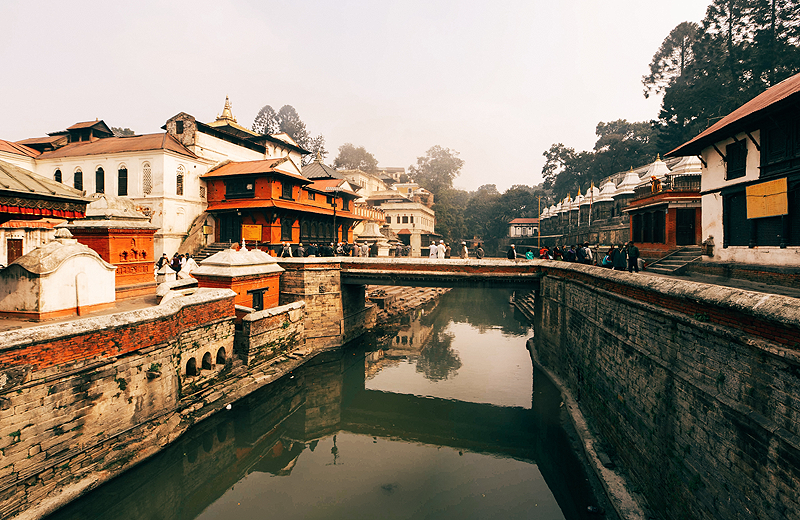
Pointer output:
x,y
750,183
523,227
161,172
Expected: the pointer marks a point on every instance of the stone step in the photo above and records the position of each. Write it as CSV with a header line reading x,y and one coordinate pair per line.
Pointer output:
x,y
211,249
658,269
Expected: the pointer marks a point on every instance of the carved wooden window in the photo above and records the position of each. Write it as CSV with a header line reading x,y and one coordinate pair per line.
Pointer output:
x,y
240,187
122,181
100,180
147,179
286,190
179,180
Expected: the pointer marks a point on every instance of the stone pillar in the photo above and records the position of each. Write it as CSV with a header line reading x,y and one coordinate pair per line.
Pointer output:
x,y
319,285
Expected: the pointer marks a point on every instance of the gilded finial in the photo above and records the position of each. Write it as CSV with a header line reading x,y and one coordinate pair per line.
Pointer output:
x,y
226,112
658,157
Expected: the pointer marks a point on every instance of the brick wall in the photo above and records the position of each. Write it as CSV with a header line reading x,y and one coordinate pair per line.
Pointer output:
x,y
81,400
59,345
694,388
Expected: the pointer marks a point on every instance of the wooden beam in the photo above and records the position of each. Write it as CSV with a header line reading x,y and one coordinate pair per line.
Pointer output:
x,y
758,147
702,161
720,153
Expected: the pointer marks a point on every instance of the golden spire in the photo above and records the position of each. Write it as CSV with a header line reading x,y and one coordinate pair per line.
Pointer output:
x,y
226,112
319,157
579,192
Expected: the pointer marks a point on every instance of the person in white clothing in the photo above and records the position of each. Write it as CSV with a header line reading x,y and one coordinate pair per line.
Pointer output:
x,y
434,251
440,249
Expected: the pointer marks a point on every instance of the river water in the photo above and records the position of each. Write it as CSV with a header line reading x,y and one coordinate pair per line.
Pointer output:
x,y
444,417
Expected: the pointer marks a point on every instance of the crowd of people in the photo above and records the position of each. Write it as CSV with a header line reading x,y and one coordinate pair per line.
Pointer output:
x,y
178,262
442,250
619,257
289,250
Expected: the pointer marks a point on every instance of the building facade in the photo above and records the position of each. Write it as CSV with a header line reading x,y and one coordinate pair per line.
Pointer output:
x,y
161,172
751,179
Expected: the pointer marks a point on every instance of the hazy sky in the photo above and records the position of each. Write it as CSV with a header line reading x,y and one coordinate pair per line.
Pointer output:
x,y
497,81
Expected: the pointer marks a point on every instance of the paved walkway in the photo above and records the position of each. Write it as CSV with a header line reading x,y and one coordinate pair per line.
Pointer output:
x,y
736,283
130,304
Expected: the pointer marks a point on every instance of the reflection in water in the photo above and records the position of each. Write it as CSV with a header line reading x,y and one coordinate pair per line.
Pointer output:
x,y
437,360
338,440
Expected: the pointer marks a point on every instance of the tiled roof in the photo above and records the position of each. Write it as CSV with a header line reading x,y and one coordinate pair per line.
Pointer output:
x,y
49,139
20,181
525,221
109,145
278,203
84,124
738,120
252,167
16,148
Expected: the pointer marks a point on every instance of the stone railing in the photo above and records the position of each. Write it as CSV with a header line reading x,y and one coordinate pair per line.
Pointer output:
x,y
672,183
368,213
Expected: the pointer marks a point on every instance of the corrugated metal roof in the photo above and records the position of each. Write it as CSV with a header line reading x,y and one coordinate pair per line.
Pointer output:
x,y
43,140
109,145
14,179
737,120
16,148
319,170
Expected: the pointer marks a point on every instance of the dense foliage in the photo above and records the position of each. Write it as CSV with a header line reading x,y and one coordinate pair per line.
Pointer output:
x,y
704,71
287,120
483,214
355,158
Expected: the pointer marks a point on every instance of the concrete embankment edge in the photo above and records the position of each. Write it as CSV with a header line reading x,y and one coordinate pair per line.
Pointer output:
x,y
615,485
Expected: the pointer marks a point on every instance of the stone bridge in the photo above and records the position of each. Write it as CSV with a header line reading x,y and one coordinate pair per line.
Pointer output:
x,y
334,288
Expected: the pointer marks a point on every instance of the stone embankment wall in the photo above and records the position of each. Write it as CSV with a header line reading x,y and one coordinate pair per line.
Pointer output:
x,y
82,401
336,310
695,388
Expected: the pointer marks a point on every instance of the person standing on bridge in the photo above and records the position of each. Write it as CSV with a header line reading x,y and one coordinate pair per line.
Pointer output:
x,y
434,251
620,259
464,253
440,250
511,254
633,257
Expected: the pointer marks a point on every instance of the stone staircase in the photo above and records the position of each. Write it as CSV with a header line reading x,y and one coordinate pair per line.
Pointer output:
x,y
524,302
211,249
673,263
